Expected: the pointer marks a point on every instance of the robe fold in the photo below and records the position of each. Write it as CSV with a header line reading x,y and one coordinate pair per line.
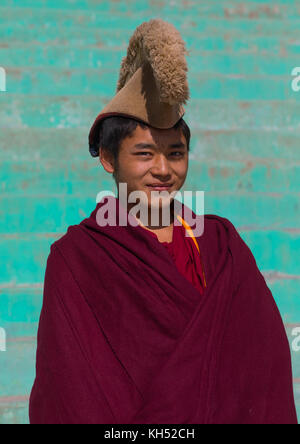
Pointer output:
x,y
125,338
185,255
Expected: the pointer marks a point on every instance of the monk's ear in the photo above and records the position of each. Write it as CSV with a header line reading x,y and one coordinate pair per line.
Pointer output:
x,y
106,160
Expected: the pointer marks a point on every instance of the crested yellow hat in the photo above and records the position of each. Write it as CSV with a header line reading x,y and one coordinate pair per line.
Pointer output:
x,y
152,85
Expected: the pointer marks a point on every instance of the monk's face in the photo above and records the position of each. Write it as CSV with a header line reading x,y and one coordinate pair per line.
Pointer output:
x,y
152,156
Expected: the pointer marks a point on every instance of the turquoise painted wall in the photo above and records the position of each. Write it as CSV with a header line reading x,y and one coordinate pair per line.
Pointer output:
x,y
62,60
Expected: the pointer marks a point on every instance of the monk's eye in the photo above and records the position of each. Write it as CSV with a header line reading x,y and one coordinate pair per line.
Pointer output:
x,y
173,154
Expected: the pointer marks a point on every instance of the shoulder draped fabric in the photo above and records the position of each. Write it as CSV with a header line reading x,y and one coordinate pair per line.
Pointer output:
x,y
125,338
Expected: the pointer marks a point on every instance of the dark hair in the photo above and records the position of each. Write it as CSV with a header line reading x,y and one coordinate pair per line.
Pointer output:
x,y
112,130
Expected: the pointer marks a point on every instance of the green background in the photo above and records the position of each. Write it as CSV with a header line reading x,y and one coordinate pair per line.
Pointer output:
x,y
62,59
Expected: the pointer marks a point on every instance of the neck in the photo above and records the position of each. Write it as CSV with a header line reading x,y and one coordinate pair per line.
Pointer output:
x,y
157,225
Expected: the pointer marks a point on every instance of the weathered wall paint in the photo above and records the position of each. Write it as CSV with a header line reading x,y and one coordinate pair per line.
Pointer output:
x,y
61,60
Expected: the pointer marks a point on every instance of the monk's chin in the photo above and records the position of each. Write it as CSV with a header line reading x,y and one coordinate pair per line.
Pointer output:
x,y
156,202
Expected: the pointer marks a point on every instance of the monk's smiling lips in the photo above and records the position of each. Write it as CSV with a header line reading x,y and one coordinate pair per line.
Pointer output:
x,y
160,187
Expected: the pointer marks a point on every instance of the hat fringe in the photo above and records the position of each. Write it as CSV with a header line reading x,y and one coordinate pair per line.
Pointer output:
x,y
160,44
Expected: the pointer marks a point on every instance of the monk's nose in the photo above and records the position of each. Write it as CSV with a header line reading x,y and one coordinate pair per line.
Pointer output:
x,y
161,165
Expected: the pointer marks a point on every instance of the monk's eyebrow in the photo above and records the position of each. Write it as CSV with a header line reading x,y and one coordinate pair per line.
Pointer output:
x,y
177,145
144,145
151,145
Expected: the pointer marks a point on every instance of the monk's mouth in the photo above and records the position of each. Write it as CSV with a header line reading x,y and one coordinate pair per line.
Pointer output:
x,y
160,187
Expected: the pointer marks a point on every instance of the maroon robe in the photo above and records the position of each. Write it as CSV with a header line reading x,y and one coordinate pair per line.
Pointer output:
x,y
185,255
124,338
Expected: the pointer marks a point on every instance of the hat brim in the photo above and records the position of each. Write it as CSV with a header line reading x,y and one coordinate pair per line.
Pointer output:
x,y
139,99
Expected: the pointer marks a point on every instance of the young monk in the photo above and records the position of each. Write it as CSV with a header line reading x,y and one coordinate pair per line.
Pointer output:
x,y
142,323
